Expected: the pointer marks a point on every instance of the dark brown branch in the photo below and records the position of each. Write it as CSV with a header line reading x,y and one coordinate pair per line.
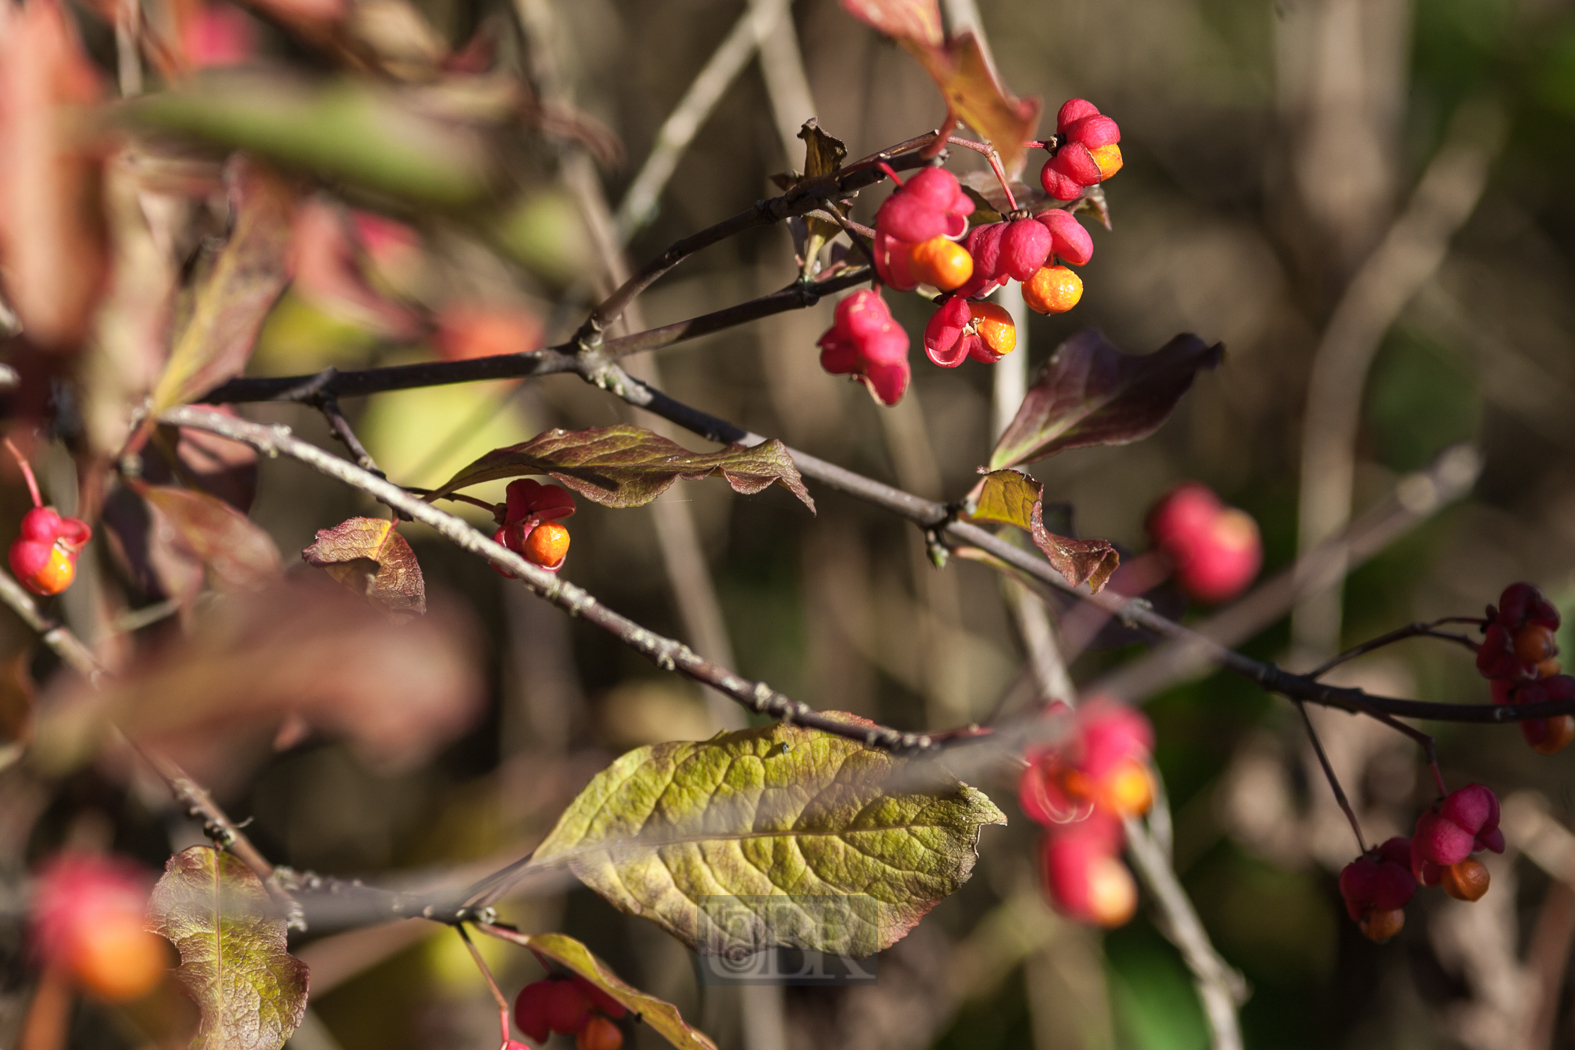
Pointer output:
x,y
1134,612
804,197
550,360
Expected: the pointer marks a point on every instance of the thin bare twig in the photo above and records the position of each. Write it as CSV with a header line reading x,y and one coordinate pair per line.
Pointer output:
x,y
1408,255
1334,781
1221,988
748,34
1410,630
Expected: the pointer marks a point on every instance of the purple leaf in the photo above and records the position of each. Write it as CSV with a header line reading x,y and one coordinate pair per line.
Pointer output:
x,y
1090,393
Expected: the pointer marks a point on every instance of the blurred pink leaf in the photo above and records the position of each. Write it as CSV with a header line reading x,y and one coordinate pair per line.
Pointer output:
x,y
369,557
328,273
304,647
627,466
51,239
240,555
238,292
466,330
1090,393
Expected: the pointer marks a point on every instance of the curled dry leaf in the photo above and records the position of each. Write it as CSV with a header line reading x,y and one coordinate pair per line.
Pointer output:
x,y
240,555
1090,393
1080,561
303,646
973,94
233,959
237,293
51,242
853,844
661,1016
628,466
368,556
1010,497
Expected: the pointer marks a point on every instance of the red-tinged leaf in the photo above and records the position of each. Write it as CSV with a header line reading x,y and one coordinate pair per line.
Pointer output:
x,y
369,557
662,1017
975,97
238,292
234,959
240,555
973,94
918,21
51,242
1090,393
305,647
1007,497
1080,561
627,466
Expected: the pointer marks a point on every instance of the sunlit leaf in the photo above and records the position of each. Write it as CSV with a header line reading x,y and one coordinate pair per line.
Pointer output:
x,y
368,556
973,93
978,99
823,153
236,294
1090,393
240,555
661,1016
627,466
413,143
1080,561
777,811
233,958
1007,497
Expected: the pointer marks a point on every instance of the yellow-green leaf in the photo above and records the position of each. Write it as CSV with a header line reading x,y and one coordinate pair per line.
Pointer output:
x,y
251,992
776,811
1006,497
662,1016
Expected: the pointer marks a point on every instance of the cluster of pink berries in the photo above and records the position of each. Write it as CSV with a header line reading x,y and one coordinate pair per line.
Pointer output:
x,y
922,236
1215,550
570,1006
1519,656
1080,789
1381,882
527,523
